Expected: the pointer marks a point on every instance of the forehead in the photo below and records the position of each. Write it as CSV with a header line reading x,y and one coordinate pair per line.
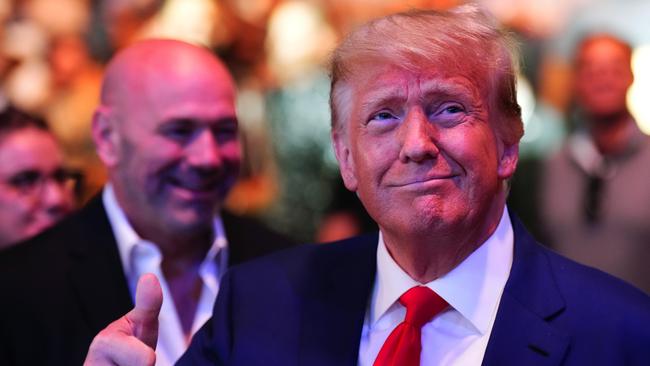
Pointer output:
x,y
201,94
379,82
602,49
28,148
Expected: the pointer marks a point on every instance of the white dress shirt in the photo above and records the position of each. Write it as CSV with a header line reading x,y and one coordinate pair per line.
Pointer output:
x,y
459,335
140,256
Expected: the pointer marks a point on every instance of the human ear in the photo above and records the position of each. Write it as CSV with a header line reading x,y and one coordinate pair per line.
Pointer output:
x,y
344,157
508,158
105,136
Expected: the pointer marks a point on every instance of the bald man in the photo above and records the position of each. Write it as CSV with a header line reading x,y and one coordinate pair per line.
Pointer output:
x,y
167,131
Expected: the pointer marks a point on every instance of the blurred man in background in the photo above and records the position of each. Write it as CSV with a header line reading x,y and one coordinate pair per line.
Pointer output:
x,y
36,191
167,131
594,195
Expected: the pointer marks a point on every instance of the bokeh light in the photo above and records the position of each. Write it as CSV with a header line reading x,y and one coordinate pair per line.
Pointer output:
x,y
638,97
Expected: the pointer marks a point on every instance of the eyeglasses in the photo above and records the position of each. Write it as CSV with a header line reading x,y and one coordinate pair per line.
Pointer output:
x,y
30,182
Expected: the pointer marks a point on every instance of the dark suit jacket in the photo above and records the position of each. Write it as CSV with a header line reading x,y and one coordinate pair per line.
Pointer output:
x,y
306,307
60,289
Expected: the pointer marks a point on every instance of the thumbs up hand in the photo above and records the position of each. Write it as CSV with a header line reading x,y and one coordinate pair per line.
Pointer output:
x,y
131,340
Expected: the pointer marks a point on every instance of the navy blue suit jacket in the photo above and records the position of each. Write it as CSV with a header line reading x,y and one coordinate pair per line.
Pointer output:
x,y
306,307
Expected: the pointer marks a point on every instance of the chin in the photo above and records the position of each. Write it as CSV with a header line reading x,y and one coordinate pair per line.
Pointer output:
x,y
38,227
433,213
192,223
420,223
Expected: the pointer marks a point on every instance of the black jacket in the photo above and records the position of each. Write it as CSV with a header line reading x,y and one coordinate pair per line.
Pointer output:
x,y
58,290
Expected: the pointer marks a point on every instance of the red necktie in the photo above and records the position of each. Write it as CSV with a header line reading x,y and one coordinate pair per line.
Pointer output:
x,y
403,345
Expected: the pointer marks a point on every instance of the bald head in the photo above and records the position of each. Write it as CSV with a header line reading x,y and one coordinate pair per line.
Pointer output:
x,y
152,65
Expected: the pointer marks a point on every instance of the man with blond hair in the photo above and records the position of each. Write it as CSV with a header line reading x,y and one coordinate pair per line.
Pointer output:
x,y
426,129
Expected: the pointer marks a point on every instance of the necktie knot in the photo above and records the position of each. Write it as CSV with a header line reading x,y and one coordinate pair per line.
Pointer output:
x,y
422,304
403,346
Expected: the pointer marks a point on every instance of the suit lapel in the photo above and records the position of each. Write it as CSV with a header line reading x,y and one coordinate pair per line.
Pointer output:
x,y
335,303
96,273
236,243
522,332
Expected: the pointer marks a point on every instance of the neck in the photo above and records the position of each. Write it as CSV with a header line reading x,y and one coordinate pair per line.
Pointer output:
x,y
431,255
611,134
181,249
182,258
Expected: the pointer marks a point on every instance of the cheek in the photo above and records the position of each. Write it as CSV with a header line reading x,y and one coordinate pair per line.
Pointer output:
x,y
16,212
141,177
475,150
156,159
231,152
374,157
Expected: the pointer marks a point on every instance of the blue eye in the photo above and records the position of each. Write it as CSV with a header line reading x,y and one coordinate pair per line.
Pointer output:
x,y
454,108
382,116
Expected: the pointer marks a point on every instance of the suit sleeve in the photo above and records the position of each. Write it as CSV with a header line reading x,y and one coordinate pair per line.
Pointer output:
x,y
211,345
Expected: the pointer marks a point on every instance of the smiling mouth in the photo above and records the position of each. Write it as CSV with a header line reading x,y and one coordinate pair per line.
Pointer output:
x,y
424,181
208,187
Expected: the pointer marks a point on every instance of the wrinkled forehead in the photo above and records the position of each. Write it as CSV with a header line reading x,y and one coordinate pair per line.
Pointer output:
x,y
451,65
374,80
438,67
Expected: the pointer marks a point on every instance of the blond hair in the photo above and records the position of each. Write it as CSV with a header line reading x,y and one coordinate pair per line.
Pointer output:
x,y
421,39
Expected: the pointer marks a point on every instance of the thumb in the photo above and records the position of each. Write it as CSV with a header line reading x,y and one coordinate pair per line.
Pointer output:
x,y
144,316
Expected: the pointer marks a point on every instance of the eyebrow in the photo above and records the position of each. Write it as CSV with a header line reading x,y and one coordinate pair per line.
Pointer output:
x,y
199,121
448,87
383,96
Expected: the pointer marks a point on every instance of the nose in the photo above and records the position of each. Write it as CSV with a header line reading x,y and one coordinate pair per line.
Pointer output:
x,y
204,152
56,198
419,138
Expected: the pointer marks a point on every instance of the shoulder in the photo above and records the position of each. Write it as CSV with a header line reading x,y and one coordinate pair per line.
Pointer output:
x,y
588,297
317,252
597,290
597,307
44,250
583,305
248,238
577,284
310,261
601,310
45,258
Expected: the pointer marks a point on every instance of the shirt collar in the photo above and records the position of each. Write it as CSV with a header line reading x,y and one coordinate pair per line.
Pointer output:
x,y
127,238
473,288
